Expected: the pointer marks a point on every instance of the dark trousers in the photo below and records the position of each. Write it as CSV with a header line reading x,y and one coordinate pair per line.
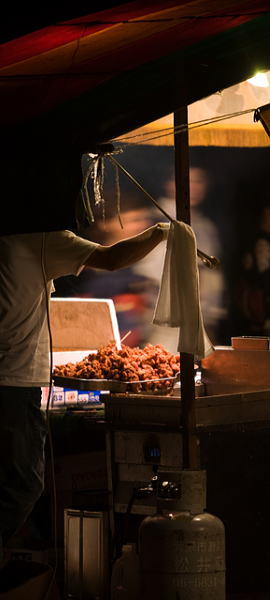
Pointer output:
x,y
22,440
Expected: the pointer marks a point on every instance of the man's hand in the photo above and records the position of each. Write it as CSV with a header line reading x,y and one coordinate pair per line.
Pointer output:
x,y
165,228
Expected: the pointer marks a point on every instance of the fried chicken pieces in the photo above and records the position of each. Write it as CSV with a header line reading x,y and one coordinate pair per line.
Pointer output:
x,y
128,364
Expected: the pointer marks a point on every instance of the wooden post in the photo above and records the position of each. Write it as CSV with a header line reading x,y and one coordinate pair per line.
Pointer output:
x,y
190,439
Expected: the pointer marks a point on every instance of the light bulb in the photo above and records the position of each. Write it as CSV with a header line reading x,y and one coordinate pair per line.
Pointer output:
x,y
259,80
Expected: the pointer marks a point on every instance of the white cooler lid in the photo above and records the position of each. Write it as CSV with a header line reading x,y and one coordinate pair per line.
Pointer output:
x,y
83,324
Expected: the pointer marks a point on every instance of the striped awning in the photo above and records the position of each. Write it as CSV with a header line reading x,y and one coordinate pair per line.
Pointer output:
x,y
120,68
75,82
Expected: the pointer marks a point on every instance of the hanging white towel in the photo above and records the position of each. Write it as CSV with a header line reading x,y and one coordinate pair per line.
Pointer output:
x,y
178,303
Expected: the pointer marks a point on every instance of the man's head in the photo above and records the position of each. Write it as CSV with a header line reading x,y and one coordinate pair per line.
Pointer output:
x,y
262,253
198,185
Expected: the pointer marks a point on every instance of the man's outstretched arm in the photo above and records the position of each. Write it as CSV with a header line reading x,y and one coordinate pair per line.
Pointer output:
x,y
128,251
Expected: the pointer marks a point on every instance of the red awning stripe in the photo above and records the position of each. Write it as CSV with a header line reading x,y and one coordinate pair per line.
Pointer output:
x,y
55,36
60,34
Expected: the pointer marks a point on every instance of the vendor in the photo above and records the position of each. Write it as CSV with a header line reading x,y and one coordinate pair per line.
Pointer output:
x,y
29,264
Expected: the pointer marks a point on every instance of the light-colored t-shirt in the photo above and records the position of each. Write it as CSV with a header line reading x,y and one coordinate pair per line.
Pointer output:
x,y
24,261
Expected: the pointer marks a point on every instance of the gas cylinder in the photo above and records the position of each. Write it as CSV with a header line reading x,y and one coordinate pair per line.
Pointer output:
x,y
182,552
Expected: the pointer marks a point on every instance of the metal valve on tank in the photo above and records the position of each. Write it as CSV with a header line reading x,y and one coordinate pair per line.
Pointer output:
x,y
181,547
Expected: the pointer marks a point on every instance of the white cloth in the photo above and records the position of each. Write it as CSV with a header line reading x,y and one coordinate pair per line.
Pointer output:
x,y
24,342
178,303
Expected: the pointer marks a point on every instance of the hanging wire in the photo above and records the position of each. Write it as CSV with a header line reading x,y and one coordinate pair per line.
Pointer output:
x,y
118,195
90,23
210,261
178,129
95,170
85,195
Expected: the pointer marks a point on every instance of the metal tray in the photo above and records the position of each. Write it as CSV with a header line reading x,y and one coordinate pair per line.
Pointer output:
x,y
112,385
91,385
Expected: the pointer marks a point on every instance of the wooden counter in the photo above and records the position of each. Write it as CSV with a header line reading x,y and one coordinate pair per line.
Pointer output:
x,y
251,409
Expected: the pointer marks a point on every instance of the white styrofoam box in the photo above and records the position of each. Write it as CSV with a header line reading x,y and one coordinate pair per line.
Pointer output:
x,y
79,327
83,325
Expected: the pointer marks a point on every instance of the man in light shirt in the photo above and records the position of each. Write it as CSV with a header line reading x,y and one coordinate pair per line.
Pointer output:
x,y
29,264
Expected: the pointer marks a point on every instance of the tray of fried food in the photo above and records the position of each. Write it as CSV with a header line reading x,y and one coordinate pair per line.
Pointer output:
x,y
152,370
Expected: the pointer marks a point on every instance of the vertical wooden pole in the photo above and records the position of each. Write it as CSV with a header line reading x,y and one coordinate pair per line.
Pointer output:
x,y
190,439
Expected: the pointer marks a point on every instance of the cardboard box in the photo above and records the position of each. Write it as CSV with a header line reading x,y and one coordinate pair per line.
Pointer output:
x,y
229,370
78,472
28,554
245,342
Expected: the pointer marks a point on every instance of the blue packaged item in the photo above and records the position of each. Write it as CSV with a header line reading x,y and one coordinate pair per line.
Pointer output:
x,y
58,397
74,398
88,397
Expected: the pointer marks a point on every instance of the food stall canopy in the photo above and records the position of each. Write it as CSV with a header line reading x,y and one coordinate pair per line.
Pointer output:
x,y
224,119
88,78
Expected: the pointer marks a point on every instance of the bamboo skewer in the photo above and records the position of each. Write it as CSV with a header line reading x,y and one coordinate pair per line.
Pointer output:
x,y
125,336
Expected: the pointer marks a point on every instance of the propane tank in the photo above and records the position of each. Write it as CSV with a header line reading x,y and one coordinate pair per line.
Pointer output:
x,y
182,548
